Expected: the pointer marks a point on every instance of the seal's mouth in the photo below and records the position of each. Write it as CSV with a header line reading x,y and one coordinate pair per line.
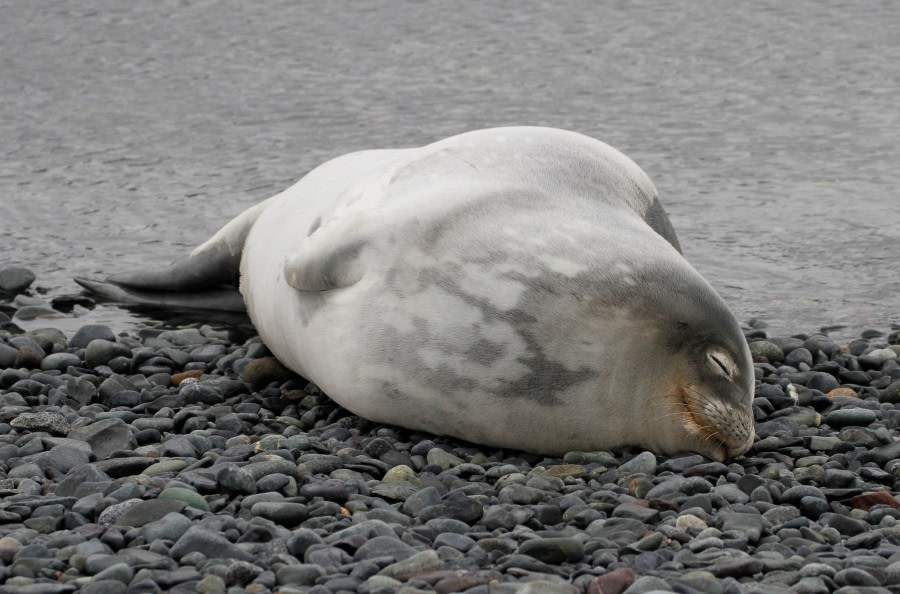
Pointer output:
x,y
713,444
710,439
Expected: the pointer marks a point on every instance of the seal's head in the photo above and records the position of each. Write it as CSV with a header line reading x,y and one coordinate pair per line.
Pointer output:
x,y
680,375
711,397
705,384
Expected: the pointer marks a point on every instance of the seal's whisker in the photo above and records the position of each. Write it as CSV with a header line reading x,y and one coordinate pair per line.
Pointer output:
x,y
698,399
684,415
703,397
711,407
700,396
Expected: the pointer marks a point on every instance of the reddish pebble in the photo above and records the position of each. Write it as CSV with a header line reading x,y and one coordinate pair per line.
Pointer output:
x,y
614,582
180,377
842,392
866,501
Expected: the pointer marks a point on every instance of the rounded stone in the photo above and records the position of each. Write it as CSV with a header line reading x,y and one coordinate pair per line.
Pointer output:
x,y
419,563
170,527
241,572
165,466
384,546
817,569
282,513
59,362
120,572
844,417
29,357
460,542
26,471
797,357
84,335
150,511
104,586
882,355
191,498
553,550
123,398
763,349
401,473
111,514
643,463
442,458
210,584
891,394
823,382
853,576
100,352
15,279
51,422
795,494
64,458
689,521
263,371
823,344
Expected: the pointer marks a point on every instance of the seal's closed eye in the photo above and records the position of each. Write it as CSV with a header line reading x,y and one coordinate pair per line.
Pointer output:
x,y
722,363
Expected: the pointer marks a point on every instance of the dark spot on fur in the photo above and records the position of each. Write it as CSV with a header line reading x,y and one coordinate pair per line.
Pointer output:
x,y
658,220
315,226
485,352
546,378
402,350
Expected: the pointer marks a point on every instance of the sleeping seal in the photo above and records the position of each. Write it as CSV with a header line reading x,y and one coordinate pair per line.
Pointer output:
x,y
515,287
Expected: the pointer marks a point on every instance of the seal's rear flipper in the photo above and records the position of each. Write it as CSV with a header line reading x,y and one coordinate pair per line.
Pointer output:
x,y
205,279
221,298
207,266
217,261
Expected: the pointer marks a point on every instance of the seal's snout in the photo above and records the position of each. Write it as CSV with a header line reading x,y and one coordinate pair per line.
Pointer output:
x,y
721,430
740,448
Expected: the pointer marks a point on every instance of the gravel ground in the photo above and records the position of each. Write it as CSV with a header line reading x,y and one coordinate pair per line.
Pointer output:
x,y
186,460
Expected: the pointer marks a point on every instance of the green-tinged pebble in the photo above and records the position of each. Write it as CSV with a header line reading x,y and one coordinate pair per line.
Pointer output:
x,y
603,458
564,470
210,584
443,459
192,498
401,474
165,466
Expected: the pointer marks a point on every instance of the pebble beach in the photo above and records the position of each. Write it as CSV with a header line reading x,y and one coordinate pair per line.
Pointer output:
x,y
142,452
187,459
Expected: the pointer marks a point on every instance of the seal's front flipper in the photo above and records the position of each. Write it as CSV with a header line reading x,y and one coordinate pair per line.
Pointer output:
x,y
332,257
338,267
220,298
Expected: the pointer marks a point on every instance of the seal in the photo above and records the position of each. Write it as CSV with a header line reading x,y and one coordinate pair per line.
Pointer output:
x,y
514,287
